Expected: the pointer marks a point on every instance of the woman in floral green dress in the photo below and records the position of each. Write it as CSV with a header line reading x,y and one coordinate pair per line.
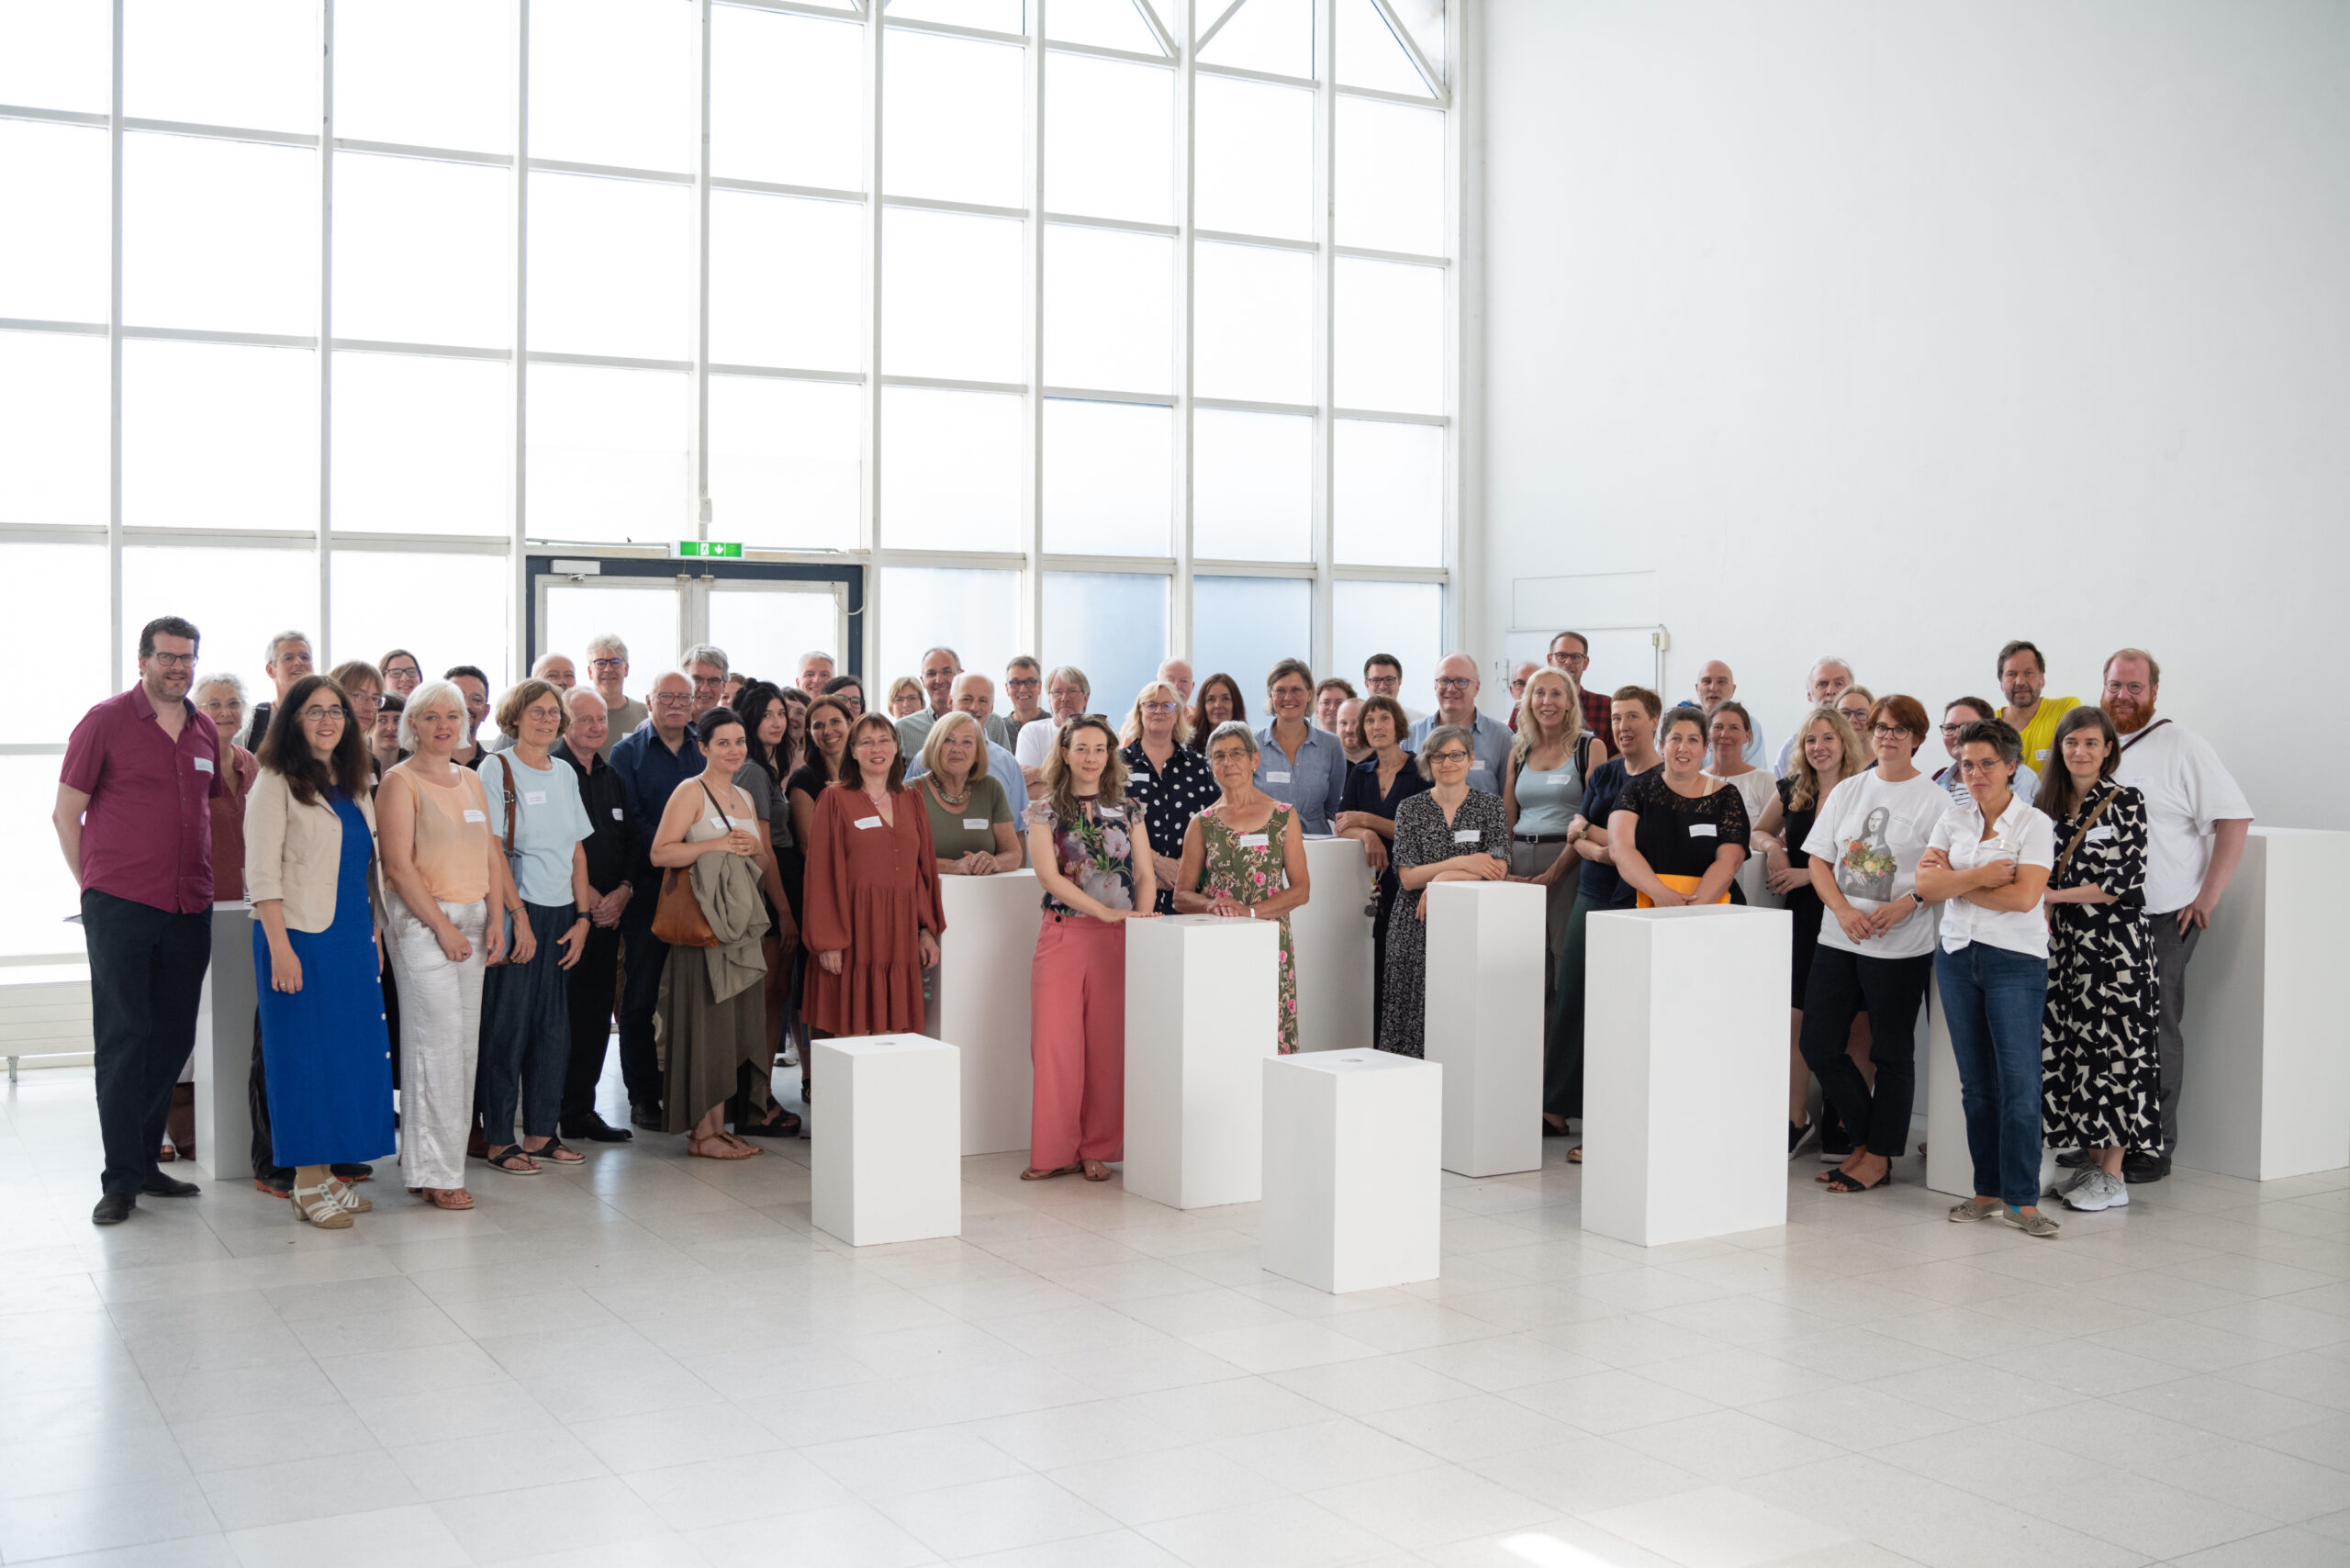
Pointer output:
x,y
1244,857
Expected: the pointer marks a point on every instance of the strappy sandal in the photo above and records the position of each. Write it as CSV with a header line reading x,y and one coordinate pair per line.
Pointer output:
x,y
1096,1170
318,1205
1034,1174
783,1124
447,1197
1844,1182
352,1201
726,1149
504,1160
558,1150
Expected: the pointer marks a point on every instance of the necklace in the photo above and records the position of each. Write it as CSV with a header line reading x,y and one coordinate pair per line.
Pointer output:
x,y
944,798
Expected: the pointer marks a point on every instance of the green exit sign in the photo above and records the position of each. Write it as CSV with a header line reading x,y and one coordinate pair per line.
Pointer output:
x,y
707,550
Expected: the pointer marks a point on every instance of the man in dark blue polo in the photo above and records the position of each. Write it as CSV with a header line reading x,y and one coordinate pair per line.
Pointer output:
x,y
651,764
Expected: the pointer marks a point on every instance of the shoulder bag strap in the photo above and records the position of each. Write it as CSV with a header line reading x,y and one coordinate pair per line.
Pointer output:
x,y
2080,835
506,771
723,814
2141,735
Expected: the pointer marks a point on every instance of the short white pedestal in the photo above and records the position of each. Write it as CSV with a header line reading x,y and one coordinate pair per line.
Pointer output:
x,y
1484,1027
1353,1190
982,1001
1331,938
1201,993
1950,1163
226,1016
885,1166
2266,1090
1684,1072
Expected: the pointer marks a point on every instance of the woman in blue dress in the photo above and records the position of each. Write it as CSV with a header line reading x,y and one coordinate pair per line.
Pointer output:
x,y
310,870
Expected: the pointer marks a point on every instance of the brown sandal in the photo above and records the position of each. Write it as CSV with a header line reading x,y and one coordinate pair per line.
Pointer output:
x,y
1096,1170
447,1197
1034,1174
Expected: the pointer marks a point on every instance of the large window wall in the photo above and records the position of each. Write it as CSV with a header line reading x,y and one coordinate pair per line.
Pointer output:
x,y
1099,329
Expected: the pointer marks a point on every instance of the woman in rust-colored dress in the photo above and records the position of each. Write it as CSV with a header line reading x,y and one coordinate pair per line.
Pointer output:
x,y
872,910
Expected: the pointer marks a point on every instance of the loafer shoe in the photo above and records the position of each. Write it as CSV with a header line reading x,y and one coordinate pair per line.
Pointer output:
x,y
113,1208
2137,1167
161,1186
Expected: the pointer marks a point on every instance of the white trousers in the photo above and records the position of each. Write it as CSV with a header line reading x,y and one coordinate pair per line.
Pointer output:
x,y
440,1041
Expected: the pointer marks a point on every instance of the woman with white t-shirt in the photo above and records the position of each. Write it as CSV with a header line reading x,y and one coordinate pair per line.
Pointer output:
x,y
1988,863
1876,943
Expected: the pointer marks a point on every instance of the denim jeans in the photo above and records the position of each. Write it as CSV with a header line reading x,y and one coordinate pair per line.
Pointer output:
x,y
1841,985
526,1032
1991,1001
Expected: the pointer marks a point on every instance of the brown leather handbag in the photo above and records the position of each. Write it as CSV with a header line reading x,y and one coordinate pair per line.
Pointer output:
x,y
678,918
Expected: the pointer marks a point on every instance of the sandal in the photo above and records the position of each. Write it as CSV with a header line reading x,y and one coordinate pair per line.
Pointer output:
x,y
505,1159
1096,1170
1035,1174
1844,1182
318,1205
352,1201
783,1124
166,1154
447,1197
726,1149
1575,1155
554,1149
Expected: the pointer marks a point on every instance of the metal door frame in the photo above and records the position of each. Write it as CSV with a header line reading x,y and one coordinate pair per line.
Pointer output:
x,y
849,579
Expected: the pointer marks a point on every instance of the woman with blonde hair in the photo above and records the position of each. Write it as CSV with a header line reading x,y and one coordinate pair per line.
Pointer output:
x,y
971,831
1168,781
906,698
1827,752
1549,762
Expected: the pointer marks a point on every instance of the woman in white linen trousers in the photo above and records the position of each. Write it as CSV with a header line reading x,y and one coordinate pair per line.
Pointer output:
x,y
447,916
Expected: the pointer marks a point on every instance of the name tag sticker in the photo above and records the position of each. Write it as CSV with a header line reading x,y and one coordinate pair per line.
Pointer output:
x,y
977,825
2039,756
203,763
1466,835
2100,832
1703,830
1272,777
869,821
474,816
1254,840
617,814
1111,814
535,796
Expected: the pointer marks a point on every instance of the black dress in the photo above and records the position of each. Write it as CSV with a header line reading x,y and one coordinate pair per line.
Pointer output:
x,y
1803,902
1362,794
1678,835
2097,1035
1422,838
1169,798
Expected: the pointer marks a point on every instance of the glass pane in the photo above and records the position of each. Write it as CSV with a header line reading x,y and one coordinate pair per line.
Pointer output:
x,y
53,619
1252,485
1244,626
42,895
951,466
1369,55
765,630
219,436
645,614
446,610
1109,136
239,598
58,54
219,234
1425,20
242,62
1108,471
53,427
995,15
611,267
53,184
1403,620
787,462
1264,35
1255,173
429,73
950,296
1111,24
1109,310
786,99
972,612
951,118
616,81
1389,352
787,284
1253,330
1111,626
421,446
1391,178
607,456
1387,494
423,251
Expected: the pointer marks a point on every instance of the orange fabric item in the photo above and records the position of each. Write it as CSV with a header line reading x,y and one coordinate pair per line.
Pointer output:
x,y
1679,885
229,828
872,892
1077,1041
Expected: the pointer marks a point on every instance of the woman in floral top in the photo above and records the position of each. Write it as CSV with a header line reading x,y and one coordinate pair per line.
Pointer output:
x,y
1244,857
1083,842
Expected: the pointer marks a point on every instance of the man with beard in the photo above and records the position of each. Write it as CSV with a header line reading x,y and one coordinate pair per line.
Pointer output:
x,y
2023,675
2197,820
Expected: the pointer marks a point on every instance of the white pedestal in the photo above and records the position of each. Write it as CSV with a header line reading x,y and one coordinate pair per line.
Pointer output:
x,y
1950,1163
1353,1190
981,1001
1331,938
226,1016
1484,1027
1201,991
885,1166
1684,1072
2266,1086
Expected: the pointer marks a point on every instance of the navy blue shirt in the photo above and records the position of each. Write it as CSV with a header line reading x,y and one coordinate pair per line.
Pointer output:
x,y
1600,881
649,774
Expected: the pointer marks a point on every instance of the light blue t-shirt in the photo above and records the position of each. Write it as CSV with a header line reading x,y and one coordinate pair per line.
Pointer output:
x,y
1490,740
548,820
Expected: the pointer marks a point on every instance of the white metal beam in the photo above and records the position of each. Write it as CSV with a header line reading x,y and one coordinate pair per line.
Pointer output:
x,y
324,352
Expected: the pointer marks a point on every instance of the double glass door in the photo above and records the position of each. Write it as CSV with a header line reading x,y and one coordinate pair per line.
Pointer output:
x,y
764,620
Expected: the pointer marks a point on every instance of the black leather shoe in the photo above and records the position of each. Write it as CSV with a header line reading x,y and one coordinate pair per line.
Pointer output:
x,y
346,1174
2076,1158
161,1186
595,1129
2137,1167
113,1209
646,1116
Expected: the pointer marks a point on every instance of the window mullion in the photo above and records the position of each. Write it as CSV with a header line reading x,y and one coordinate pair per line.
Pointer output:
x,y
1029,624
114,366
870,520
325,330
700,472
1325,128
1179,627
518,556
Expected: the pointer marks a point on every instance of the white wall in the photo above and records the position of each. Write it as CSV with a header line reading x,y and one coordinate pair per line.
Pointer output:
x,y
1902,328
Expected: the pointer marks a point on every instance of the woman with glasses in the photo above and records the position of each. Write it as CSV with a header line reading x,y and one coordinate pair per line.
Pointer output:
x,y
906,698
1244,858
1377,788
821,762
874,911
1876,941
850,690
1167,780
1217,701
1856,702
363,693
309,867
1451,833
402,675
1298,765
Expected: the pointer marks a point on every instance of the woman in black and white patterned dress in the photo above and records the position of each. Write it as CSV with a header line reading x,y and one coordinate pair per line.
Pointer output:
x,y
1450,834
2096,1038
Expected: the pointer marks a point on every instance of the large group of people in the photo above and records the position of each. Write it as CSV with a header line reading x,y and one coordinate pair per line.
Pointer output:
x,y
720,869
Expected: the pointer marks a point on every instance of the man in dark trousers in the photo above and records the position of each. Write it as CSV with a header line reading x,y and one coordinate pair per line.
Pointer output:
x,y
651,763
611,849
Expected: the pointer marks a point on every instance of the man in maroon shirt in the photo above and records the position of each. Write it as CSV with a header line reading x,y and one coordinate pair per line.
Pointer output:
x,y
1571,652
134,817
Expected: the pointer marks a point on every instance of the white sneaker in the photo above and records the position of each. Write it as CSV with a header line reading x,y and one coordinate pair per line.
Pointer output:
x,y
2097,1190
2078,1182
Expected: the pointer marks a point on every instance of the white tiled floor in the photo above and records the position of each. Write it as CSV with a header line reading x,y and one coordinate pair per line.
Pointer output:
x,y
653,1359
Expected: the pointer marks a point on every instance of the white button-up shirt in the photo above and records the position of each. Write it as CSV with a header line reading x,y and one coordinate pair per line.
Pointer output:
x,y
2024,835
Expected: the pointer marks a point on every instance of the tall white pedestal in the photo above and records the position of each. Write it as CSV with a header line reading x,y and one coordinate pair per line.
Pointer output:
x,y
2266,1086
1331,938
226,1016
1684,1072
1949,1164
1353,1190
981,1001
1201,993
1484,1027
886,1165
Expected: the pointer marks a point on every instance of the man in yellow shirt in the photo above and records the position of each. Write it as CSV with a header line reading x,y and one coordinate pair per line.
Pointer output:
x,y
2023,674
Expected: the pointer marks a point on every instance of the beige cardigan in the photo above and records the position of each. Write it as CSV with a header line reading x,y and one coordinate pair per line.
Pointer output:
x,y
293,853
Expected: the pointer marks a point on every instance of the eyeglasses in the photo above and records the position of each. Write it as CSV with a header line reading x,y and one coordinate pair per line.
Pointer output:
x,y
1571,658
314,715
1454,683
1448,756
1887,731
174,661
2126,688
670,699
1159,707
608,664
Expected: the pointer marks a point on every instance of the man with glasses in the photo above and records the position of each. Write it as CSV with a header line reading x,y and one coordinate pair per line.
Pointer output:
x,y
1024,683
975,694
941,668
2197,821
1456,703
1070,692
1716,686
1966,711
705,665
2023,675
290,660
1570,653
134,818
1382,675
651,763
1517,678
1830,679
608,672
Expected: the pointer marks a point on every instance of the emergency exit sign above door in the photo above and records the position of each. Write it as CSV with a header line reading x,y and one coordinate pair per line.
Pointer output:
x,y
705,550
